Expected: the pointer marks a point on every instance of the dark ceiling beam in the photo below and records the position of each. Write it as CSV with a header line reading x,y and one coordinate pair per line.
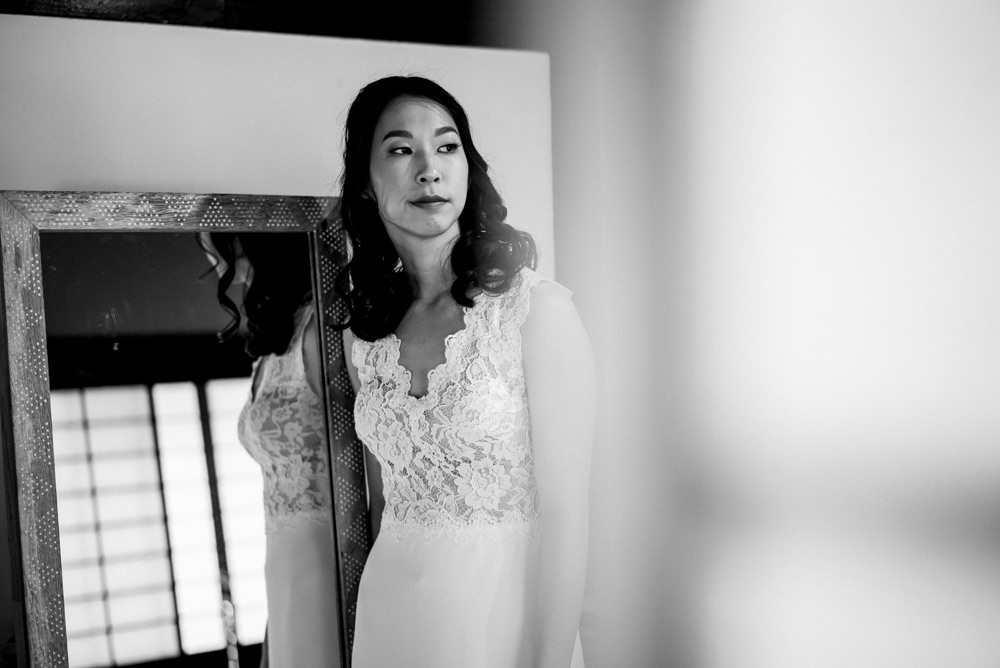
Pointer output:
x,y
444,22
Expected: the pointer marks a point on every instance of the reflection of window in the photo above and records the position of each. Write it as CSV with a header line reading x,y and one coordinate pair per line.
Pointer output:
x,y
145,574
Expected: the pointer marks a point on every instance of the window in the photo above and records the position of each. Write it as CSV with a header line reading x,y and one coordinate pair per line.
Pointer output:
x,y
161,522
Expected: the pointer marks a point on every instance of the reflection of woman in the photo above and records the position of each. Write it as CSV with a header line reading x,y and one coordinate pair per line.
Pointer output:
x,y
282,426
475,396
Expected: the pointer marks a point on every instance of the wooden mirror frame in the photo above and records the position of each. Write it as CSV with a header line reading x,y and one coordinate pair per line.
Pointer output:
x,y
26,455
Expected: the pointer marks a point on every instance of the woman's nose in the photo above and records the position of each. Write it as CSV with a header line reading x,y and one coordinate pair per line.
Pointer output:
x,y
428,172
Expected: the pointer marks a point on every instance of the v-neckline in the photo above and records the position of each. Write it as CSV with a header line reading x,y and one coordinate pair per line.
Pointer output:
x,y
434,372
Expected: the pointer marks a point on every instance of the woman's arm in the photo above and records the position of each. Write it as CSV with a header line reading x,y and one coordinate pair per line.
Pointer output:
x,y
373,472
559,372
312,360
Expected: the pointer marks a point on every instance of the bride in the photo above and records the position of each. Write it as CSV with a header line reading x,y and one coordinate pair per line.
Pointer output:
x,y
475,398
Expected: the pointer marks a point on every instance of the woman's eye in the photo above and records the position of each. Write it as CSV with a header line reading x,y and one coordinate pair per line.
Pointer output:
x,y
400,150
449,148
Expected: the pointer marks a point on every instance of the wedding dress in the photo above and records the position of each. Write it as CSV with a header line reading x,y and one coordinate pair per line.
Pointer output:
x,y
282,427
449,580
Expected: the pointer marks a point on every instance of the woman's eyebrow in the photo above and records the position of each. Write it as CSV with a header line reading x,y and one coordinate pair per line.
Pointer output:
x,y
405,134
397,133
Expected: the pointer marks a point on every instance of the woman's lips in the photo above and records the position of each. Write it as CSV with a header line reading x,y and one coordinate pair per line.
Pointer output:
x,y
429,201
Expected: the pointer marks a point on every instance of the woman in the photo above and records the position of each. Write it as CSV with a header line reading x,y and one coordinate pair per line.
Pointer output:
x,y
475,399
282,426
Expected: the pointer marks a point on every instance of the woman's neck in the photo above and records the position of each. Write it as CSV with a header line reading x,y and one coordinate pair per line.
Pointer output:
x,y
429,273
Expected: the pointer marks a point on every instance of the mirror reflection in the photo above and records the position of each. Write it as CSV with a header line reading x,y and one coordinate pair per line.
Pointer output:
x,y
164,536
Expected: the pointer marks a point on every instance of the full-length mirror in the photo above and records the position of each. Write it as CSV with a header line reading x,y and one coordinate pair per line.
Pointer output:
x,y
119,379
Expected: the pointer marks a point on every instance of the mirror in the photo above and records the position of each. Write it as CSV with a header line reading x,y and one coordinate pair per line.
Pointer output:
x,y
161,524
153,521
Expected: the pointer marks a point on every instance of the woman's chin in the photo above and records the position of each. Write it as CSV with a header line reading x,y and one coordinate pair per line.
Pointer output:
x,y
428,227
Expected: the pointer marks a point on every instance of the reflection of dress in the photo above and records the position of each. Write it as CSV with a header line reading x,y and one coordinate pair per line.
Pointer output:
x,y
448,583
282,426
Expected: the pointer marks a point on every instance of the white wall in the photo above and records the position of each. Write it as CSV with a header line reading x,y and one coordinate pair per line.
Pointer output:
x,y
103,105
781,220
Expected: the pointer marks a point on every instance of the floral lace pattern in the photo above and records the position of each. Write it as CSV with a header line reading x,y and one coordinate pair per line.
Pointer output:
x,y
458,459
283,428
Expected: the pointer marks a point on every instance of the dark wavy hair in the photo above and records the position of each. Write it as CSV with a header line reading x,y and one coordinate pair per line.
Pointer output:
x,y
487,255
281,283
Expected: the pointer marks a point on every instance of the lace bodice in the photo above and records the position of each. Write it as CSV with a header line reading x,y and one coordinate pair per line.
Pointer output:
x,y
283,428
459,458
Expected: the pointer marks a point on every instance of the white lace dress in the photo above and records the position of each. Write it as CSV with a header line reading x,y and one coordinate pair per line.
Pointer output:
x,y
282,426
448,582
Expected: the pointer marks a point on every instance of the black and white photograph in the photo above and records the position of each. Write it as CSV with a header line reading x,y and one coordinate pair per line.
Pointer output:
x,y
514,334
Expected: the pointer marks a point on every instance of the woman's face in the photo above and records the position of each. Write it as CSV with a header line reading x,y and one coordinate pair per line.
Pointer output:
x,y
418,171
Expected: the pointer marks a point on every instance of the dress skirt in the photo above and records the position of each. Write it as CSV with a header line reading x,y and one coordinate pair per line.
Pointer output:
x,y
434,600
302,618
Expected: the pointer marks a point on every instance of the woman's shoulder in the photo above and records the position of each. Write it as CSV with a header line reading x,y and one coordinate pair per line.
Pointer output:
x,y
534,288
552,326
529,292
303,318
303,312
